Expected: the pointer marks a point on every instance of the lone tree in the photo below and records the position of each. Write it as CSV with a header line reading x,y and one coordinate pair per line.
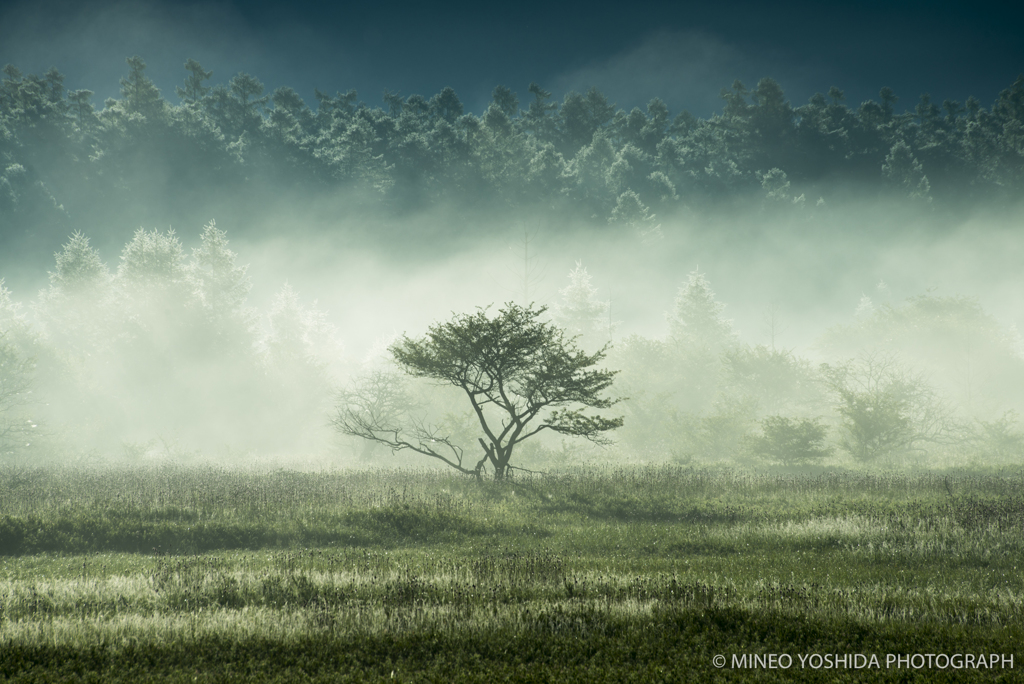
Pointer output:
x,y
520,374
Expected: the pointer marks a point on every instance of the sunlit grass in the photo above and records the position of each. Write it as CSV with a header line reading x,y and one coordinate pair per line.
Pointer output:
x,y
612,571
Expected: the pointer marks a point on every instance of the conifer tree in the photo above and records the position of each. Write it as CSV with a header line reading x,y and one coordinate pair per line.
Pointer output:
x,y
905,173
194,90
139,93
580,313
696,321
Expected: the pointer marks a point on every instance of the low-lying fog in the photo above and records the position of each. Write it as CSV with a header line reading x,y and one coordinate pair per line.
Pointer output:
x,y
140,367
813,268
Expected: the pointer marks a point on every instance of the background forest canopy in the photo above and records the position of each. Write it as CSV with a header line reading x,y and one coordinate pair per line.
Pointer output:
x,y
154,163
167,352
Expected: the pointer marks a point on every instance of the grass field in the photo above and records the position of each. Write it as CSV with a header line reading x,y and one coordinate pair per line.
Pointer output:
x,y
643,574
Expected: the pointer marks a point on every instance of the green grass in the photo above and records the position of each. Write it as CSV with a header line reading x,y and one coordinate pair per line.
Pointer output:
x,y
643,575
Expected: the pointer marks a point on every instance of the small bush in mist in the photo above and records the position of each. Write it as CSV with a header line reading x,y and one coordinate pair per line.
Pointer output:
x,y
886,409
788,441
1000,440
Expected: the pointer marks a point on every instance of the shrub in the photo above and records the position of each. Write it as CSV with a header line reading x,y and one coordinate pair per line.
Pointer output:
x,y
792,442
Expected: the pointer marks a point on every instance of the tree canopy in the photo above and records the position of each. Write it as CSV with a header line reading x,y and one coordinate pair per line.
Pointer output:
x,y
520,374
157,161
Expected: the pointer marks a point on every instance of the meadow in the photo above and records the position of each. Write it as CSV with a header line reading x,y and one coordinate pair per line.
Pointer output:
x,y
640,574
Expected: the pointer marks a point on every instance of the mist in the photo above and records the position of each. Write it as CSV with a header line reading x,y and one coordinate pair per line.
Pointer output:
x,y
133,377
197,262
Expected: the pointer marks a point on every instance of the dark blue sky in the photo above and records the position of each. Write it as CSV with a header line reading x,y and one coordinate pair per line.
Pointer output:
x,y
682,52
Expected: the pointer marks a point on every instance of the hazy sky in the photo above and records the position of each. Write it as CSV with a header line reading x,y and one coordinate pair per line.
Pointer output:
x,y
683,52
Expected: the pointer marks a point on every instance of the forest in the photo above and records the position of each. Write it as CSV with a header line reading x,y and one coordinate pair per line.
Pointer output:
x,y
157,163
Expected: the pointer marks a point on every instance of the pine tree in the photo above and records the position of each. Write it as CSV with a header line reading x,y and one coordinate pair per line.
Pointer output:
x,y
905,173
82,108
696,321
631,212
152,260
77,310
139,93
79,268
580,313
194,90
221,288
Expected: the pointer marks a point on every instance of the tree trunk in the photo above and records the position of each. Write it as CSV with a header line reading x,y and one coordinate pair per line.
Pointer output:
x,y
502,470
498,457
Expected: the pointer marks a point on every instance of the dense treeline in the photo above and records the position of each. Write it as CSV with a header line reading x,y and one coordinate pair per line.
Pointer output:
x,y
59,154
